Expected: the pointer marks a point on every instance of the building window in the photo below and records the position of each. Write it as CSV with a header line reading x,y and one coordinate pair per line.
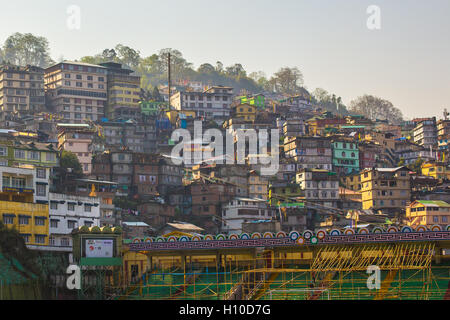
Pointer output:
x,y
50,157
33,155
88,223
54,205
435,219
3,151
87,208
19,154
39,221
71,224
41,190
52,241
8,219
54,223
26,238
41,173
70,207
24,220
65,242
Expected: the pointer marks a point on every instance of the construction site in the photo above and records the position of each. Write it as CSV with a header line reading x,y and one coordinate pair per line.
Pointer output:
x,y
322,266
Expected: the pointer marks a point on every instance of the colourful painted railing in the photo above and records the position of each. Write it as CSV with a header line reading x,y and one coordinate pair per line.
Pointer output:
x,y
294,238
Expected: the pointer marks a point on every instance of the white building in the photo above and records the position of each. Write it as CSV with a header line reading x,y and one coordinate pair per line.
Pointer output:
x,y
212,103
320,186
68,212
425,133
240,210
26,179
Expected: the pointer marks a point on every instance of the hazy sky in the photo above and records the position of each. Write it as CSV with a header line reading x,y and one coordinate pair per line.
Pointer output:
x,y
407,61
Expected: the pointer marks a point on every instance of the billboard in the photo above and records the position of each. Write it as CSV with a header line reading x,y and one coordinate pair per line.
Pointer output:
x,y
99,248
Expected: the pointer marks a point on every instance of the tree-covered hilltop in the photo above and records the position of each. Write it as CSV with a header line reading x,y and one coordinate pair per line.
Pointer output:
x,y
23,49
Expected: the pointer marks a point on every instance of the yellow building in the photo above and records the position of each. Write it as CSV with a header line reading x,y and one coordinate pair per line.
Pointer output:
x,y
257,186
29,219
428,213
24,203
123,93
437,170
245,111
352,181
386,189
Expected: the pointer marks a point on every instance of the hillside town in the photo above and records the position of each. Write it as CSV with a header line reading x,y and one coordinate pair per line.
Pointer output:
x,y
80,147
87,148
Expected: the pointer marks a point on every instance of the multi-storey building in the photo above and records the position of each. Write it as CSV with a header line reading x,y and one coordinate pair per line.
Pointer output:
x,y
309,152
386,189
129,135
123,93
425,133
21,90
428,213
443,134
293,128
368,154
345,156
319,126
77,91
212,103
437,170
242,210
68,212
258,186
145,175
410,152
244,111
79,140
352,181
15,152
320,186
24,203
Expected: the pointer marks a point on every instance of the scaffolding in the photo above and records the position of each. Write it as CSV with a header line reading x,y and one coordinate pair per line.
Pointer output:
x,y
335,272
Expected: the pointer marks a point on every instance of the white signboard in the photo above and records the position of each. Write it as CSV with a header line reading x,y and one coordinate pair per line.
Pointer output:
x,y
99,248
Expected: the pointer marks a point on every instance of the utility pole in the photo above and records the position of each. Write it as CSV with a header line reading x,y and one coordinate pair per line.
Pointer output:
x,y
170,90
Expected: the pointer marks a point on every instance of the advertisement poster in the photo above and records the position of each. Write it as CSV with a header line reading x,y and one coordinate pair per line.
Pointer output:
x,y
99,248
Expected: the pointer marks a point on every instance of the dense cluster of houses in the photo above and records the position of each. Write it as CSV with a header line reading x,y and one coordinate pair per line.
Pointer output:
x,y
334,170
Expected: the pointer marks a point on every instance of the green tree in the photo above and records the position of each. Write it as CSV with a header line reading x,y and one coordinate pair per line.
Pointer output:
x,y
206,68
417,166
128,56
27,49
70,164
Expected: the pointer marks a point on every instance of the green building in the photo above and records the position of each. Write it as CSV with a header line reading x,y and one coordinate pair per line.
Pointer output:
x,y
152,108
256,100
15,153
345,156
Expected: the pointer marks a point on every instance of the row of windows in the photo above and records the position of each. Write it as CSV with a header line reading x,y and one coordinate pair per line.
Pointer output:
x,y
80,85
37,238
30,155
86,101
23,220
80,77
71,224
23,76
70,206
82,93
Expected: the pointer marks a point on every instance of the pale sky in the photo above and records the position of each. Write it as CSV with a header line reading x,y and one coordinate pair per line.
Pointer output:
x,y
407,61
